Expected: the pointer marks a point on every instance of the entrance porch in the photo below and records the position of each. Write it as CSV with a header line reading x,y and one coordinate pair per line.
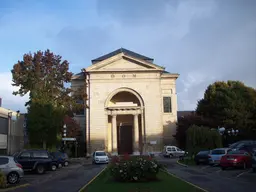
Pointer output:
x,y
125,130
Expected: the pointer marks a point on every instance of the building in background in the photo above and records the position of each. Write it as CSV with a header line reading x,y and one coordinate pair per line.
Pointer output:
x,y
11,131
132,104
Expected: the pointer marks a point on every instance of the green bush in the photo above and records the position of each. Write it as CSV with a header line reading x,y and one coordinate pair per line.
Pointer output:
x,y
135,169
3,182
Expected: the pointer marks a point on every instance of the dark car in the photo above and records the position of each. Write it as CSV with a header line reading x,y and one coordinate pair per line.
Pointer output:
x,y
239,144
250,148
60,158
254,162
36,160
202,157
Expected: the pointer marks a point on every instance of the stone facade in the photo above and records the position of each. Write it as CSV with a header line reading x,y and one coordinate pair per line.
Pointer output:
x,y
132,104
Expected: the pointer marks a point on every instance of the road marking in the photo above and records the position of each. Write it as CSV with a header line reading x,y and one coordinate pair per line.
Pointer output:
x,y
196,186
92,180
240,174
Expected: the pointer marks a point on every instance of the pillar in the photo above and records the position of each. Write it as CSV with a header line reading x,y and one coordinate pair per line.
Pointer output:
x,y
136,135
114,135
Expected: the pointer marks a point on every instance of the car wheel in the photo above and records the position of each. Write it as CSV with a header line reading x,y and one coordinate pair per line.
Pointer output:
x,y
66,163
40,169
13,178
171,156
53,167
223,168
254,170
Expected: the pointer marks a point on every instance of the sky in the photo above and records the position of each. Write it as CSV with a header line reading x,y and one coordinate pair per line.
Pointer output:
x,y
202,40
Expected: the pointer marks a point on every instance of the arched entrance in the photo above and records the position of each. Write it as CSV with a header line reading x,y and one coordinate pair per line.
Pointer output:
x,y
124,108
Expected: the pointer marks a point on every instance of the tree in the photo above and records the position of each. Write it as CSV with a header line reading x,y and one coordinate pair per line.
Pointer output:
x,y
230,104
44,76
202,138
187,121
73,128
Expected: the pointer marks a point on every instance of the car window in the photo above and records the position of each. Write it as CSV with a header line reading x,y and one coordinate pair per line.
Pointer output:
x,y
203,153
236,152
40,154
4,160
25,155
218,152
100,154
178,149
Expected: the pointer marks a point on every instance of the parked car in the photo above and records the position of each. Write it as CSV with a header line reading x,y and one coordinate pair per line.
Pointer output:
x,y
202,157
99,157
236,159
216,155
239,144
254,162
61,158
36,160
11,169
173,151
250,148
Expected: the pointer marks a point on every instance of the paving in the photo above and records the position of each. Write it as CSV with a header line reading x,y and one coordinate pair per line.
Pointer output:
x,y
213,179
71,178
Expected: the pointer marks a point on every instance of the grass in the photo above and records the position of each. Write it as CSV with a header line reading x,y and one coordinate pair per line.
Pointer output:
x,y
165,183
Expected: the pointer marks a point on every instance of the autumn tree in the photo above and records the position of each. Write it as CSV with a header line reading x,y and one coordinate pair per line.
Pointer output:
x,y
231,104
73,128
44,76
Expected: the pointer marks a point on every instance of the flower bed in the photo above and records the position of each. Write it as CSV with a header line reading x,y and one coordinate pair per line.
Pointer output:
x,y
134,169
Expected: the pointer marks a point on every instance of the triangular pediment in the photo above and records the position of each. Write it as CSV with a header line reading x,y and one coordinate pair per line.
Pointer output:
x,y
123,62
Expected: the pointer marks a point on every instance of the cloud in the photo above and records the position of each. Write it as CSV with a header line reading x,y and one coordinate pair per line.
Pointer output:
x,y
203,41
10,101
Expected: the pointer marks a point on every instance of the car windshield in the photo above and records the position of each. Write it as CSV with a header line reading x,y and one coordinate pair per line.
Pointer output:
x,y
218,152
100,154
203,153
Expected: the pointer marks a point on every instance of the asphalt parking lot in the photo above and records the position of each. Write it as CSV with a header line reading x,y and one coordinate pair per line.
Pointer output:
x,y
213,179
245,175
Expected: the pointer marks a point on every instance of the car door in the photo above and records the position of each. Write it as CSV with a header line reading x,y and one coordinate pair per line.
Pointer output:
x,y
25,160
4,165
179,152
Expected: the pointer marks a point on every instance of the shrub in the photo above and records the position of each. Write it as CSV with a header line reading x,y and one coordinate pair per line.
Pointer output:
x,y
3,182
134,168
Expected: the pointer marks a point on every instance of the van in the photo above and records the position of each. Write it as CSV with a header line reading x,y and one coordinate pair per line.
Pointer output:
x,y
173,151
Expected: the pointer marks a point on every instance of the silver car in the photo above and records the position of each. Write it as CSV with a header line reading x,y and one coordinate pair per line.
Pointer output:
x,y
11,169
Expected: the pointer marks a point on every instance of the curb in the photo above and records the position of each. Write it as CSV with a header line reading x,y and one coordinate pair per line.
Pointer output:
x,y
181,164
204,190
80,190
16,187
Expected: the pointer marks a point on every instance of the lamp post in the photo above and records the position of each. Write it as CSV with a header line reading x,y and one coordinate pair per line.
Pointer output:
x,y
233,132
9,133
64,133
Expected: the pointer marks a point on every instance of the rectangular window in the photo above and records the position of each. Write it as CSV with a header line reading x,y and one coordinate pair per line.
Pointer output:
x,y
167,102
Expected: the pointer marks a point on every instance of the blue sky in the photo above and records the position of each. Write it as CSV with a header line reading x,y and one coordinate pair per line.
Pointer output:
x,y
202,40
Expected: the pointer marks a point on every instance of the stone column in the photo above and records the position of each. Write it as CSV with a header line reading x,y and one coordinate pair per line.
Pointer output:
x,y
114,135
136,135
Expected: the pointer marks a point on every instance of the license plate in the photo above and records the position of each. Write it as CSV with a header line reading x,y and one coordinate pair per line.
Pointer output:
x,y
230,159
201,160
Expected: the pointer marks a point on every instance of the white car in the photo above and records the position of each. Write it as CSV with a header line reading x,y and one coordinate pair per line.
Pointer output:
x,y
99,157
173,151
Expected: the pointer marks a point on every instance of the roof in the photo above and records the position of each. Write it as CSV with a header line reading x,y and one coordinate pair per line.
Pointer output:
x,y
124,51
